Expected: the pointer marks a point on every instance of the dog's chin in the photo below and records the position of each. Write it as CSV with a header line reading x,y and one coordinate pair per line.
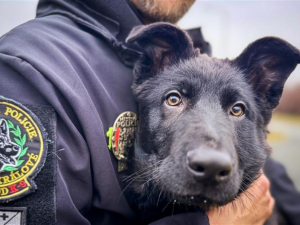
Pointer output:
x,y
207,198
203,202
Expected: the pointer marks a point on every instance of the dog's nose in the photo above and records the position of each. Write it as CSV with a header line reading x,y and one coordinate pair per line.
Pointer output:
x,y
209,165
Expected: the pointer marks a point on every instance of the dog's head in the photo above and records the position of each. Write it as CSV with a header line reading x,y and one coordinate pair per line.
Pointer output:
x,y
203,121
8,150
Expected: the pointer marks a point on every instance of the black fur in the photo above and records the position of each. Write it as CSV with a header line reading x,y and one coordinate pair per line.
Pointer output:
x,y
209,87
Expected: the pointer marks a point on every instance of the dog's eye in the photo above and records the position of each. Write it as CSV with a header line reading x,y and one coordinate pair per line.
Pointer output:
x,y
237,110
173,99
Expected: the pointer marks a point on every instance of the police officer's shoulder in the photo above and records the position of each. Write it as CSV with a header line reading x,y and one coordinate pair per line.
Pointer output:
x,y
37,37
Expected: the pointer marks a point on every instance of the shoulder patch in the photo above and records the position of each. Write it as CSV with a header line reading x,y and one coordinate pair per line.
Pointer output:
x,y
23,149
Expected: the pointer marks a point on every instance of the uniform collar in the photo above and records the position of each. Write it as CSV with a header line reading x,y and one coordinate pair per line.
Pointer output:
x,y
112,19
116,16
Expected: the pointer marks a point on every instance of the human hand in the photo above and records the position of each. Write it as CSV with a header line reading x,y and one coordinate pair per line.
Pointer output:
x,y
253,208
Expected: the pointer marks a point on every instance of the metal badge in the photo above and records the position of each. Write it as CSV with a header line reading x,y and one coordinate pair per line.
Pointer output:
x,y
121,137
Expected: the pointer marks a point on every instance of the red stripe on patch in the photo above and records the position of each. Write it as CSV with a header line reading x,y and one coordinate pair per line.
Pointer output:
x,y
117,137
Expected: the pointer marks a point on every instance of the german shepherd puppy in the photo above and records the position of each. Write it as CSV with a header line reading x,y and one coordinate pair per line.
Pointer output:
x,y
201,138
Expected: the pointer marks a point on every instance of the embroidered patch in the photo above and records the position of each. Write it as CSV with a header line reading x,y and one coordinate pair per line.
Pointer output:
x,y
22,149
13,215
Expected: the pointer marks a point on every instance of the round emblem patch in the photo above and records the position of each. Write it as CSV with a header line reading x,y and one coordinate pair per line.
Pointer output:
x,y
22,149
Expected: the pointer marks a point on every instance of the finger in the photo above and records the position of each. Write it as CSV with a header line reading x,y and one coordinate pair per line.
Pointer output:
x,y
269,210
271,204
261,185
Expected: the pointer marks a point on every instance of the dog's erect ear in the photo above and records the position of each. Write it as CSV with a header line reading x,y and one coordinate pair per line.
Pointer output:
x,y
3,127
163,44
267,63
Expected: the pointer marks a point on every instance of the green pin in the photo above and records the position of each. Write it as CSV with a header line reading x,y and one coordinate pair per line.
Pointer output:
x,y
109,134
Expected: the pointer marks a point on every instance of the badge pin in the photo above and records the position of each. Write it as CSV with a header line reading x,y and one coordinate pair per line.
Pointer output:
x,y
121,137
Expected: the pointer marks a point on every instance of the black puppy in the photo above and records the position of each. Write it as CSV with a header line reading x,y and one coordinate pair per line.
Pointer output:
x,y
201,138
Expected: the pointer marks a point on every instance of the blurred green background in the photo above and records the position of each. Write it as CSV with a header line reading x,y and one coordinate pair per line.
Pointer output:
x,y
284,138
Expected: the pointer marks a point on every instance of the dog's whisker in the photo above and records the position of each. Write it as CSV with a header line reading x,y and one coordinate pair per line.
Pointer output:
x,y
166,205
144,170
196,208
158,198
141,175
149,180
186,208
174,202
152,192
127,186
